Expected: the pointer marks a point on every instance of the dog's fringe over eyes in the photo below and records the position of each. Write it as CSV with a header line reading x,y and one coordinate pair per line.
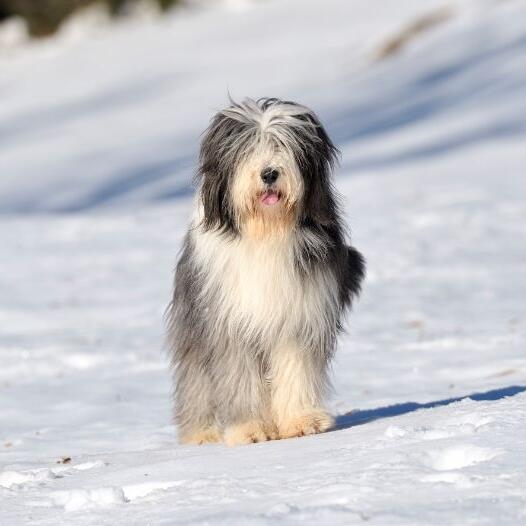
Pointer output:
x,y
263,281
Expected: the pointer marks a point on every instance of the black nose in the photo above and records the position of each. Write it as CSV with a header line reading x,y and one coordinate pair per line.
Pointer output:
x,y
269,175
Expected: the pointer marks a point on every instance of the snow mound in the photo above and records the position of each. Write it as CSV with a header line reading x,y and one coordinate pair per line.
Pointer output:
x,y
79,499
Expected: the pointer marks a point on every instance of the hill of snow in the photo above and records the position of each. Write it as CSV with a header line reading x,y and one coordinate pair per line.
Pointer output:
x,y
98,138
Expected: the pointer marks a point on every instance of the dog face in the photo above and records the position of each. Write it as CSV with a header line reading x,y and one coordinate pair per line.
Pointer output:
x,y
265,165
266,187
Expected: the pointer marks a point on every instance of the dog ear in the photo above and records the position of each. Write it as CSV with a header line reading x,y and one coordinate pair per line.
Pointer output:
x,y
215,168
215,198
317,161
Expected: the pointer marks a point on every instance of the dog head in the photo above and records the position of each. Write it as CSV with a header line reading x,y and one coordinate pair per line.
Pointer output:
x,y
265,166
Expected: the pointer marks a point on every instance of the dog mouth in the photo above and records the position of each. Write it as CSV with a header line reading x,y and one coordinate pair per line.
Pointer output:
x,y
270,198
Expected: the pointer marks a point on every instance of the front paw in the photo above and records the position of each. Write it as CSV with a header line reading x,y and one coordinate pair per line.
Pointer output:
x,y
309,423
206,435
246,433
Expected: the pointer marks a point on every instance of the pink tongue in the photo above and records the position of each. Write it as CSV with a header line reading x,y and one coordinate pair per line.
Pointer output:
x,y
269,198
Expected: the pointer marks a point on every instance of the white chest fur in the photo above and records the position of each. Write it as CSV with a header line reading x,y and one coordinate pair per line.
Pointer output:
x,y
259,289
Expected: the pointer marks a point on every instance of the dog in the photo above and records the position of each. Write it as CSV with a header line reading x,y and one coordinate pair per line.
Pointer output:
x,y
263,280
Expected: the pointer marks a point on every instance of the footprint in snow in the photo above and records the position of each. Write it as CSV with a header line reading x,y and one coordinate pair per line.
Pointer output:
x,y
79,499
457,457
458,426
20,479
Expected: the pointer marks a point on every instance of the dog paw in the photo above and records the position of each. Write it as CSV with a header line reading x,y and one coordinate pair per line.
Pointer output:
x,y
246,433
311,423
207,435
271,430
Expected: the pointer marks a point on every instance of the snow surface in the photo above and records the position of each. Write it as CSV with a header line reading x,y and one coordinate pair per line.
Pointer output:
x,y
98,138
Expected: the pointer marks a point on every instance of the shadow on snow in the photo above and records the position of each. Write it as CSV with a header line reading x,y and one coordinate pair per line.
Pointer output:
x,y
414,96
359,417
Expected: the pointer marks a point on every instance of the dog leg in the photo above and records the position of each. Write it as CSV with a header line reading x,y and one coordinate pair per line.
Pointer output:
x,y
194,407
243,397
298,385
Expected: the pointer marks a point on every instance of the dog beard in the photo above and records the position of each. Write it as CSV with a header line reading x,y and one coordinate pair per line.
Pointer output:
x,y
265,209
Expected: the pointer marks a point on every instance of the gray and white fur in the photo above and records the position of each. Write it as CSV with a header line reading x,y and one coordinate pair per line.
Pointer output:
x,y
263,281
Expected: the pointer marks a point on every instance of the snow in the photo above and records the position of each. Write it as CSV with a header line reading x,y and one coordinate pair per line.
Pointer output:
x,y
95,193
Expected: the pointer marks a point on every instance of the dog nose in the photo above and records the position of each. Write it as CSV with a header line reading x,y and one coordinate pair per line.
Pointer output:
x,y
269,175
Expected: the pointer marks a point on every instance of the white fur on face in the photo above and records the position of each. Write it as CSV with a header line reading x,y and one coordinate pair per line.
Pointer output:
x,y
273,143
247,186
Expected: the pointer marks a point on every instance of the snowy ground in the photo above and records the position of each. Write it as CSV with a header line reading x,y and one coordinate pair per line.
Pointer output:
x,y
97,142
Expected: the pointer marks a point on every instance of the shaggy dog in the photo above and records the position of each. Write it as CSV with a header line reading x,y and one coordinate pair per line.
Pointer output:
x,y
263,280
